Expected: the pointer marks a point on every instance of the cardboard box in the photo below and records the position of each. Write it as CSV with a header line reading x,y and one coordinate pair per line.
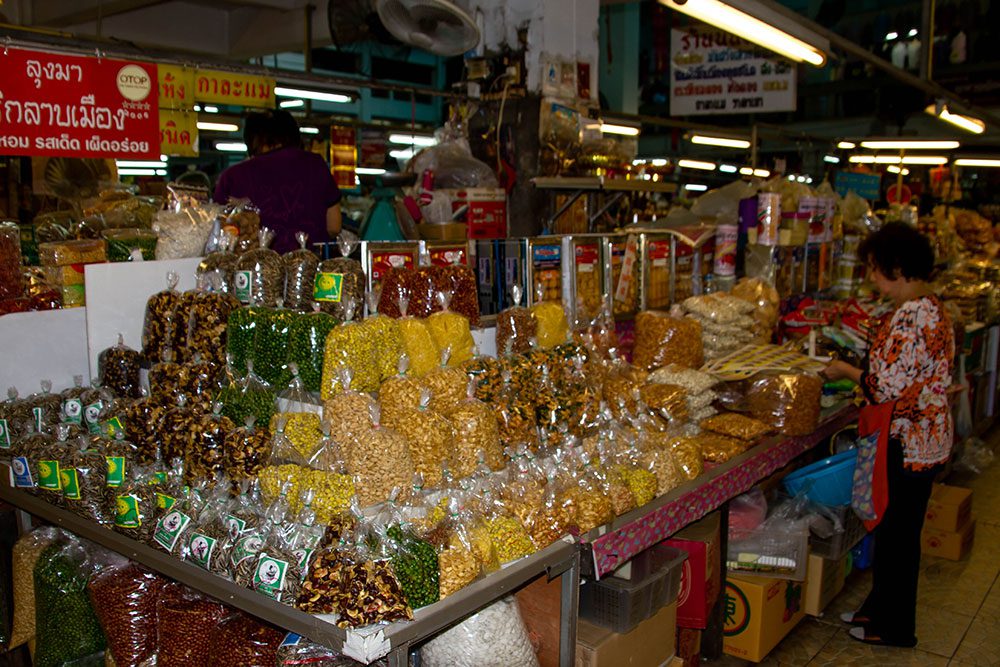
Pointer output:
x,y
824,579
650,644
949,508
689,646
953,545
486,217
700,578
760,612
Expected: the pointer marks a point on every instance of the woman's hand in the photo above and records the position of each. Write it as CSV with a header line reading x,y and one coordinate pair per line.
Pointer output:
x,y
838,370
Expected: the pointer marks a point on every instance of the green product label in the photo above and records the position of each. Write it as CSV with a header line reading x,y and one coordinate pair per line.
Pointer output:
x,y
246,547
169,529
72,411
111,427
328,286
201,549
116,470
235,526
91,414
70,480
127,512
242,281
269,577
4,434
48,475
302,556
164,502
39,415
160,476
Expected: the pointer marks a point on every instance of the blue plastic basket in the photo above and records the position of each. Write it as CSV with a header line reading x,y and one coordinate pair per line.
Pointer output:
x,y
827,482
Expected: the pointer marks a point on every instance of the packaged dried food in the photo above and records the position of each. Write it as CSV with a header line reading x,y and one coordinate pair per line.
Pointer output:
x,y
688,458
388,340
242,220
259,277
130,244
429,436
25,555
460,281
694,381
270,346
451,331
399,395
347,412
415,564
185,621
184,233
516,417
200,383
166,378
135,506
620,389
206,454
297,650
661,339
552,327
243,640
660,462
83,478
124,599
11,270
207,324
448,385
176,428
477,436
379,459
161,329
370,593
766,300
251,396
306,345
416,286
495,635
240,333
64,253
717,448
303,430
118,369
300,274
66,628
509,538
218,268
418,344
246,450
735,425
488,372
340,278
790,402
666,400
351,345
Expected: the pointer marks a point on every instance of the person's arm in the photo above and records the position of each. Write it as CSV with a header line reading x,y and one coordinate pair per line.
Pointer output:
x,y
333,221
838,370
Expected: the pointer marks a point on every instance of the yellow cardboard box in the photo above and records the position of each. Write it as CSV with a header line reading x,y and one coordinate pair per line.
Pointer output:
x,y
649,644
759,612
949,508
824,579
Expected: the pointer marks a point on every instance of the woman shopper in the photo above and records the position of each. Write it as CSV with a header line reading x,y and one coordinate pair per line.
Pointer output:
x,y
909,364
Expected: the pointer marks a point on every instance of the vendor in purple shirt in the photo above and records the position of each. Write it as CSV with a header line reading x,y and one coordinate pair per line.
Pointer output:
x,y
292,187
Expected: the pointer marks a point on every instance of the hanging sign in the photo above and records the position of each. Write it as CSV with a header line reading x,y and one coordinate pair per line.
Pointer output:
x,y
231,88
176,87
178,133
866,186
715,72
74,106
897,195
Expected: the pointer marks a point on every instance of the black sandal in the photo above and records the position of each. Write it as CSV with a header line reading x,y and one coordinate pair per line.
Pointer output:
x,y
863,636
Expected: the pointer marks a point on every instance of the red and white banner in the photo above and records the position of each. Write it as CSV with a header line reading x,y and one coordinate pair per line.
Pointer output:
x,y
76,106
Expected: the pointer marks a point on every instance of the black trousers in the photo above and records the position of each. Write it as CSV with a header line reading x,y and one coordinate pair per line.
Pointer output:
x,y
892,603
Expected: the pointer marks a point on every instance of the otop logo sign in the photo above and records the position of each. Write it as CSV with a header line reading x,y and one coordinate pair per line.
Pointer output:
x,y
133,83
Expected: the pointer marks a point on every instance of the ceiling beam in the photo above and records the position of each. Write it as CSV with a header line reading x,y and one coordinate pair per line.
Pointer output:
x,y
60,14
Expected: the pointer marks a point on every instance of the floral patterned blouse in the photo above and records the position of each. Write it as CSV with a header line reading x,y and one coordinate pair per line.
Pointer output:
x,y
910,362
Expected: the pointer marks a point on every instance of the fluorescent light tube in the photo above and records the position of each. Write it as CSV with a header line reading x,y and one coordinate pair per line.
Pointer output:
x,y
309,130
412,140
141,164
724,142
291,104
967,123
832,159
137,172
317,95
696,164
846,145
746,171
976,162
369,171
218,127
696,187
625,130
231,146
761,173
910,144
728,168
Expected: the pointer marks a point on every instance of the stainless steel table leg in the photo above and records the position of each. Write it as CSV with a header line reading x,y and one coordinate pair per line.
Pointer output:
x,y
569,610
399,657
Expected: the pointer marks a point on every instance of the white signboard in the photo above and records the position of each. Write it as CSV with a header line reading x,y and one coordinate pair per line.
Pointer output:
x,y
714,72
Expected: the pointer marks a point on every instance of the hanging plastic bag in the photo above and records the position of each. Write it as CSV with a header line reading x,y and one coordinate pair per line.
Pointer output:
x,y
351,345
118,369
399,394
306,344
219,267
379,459
516,326
300,274
260,274
429,436
477,435
340,278
252,396
160,329
207,324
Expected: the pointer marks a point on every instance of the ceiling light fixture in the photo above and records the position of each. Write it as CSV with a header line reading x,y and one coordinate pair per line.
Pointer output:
x,y
967,123
309,130
925,159
624,130
832,159
137,172
761,173
728,168
696,187
846,145
724,142
369,171
405,154
725,16
218,127
891,36
318,95
210,109
976,162
910,144
141,164
231,146
746,171
913,32
659,162
412,140
291,104
896,170
696,164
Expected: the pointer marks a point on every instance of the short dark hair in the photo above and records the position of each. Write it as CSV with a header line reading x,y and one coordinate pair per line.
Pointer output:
x,y
898,249
273,128
256,132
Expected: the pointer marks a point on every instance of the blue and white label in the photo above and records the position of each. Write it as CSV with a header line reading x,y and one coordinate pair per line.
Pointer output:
x,y
22,473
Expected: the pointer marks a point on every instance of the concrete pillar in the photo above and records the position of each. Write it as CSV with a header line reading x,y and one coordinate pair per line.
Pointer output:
x,y
619,56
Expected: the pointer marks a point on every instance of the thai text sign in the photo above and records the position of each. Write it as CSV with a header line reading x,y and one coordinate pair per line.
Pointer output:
x,y
232,88
73,106
178,133
176,87
713,72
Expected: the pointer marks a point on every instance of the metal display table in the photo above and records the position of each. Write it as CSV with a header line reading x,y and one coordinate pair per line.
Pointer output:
x,y
578,186
366,644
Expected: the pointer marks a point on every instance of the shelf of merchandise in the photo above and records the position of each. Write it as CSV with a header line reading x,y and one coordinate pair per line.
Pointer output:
x,y
577,186
365,644
607,547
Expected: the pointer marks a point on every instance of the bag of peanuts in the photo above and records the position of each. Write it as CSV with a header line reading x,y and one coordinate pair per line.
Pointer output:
x,y
124,598
477,435
160,328
789,402
399,394
516,326
185,620
241,639
25,555
340,278
429,436
379,459
351,345
450,330
306,345
300,274
260,274
664,338
447,384
348,411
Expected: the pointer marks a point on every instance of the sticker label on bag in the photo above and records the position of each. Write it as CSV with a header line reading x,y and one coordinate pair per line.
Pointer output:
x,y
48,475
111,427
22,473
91,414
235,526
302,557
169,529
328,287
116,470
292,639
242,281
39,415
247,547
127,512
269,577
202,548
164,502
69,478
4,434
73,411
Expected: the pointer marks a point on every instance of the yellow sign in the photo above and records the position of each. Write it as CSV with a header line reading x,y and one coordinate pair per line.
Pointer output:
x,y
178,133
232,88
176,87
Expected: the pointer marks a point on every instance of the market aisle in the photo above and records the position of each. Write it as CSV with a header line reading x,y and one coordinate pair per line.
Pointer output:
x,y
958,614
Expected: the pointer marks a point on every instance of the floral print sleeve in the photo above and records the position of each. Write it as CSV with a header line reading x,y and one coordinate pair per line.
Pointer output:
x,y
910,362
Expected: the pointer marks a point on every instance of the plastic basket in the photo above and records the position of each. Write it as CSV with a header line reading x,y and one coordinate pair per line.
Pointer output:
x,y
620,605
828,482
842,541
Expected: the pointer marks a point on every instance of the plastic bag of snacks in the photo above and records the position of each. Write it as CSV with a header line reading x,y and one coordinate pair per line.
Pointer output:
x,y
451,331
185,621
166,378
200,383
241,219
66,628
389,341
160,328
379,459
124,599
351,345
43,408
668,401
495,636
270,345
477,435
252,396
184,233
552,326
516,326
417,342
205,456
790,402
460,281
348,412
306,344
429,436
243,640
767,301
135,505
118,369
509,537
24,557
340,279
415,286
399,395
736,425
207,325
457,563
415,564
246,450
302,429
296,650
219,267
300,274
688,457
448,385
717,448
260,274
83,474
661,339
381,598
176,427
516,418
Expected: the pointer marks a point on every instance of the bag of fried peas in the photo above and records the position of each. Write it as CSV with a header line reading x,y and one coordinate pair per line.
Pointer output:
x,y
451,330
66,628
351,345
417,341
251,396
306,345
340,278
429,436
241,330
387,334
270,344
326,475
448,384
300,274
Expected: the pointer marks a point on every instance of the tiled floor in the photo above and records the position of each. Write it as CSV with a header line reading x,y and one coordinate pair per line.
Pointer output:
x,y
958,608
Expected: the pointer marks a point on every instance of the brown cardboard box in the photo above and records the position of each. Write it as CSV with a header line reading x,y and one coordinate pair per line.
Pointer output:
x,y
953,545
760,612
700,578
949,509
824,579
650,644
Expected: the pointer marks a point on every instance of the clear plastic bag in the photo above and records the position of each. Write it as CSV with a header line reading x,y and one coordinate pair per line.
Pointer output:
x,y
661,339
270,345
124,599
185,621
477,436
242,640
161,329
429,436
417,343
351,345
416,286
736,425
218,268
789,402
415,564
252,396
460,281
399,394
552,327
340,278
379,459
207,324
241,219
260,274
118,369
184,233
493,637
26,553
300,274
451,331
448,385
246,450
306,344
